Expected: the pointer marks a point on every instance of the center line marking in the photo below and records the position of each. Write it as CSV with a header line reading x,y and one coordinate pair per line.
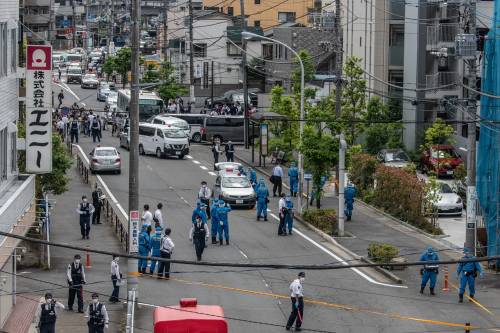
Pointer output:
x,y
203,167
243,254
211,173
189,157
196,162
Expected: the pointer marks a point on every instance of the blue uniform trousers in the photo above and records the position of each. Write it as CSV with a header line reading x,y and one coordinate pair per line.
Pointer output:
x,y
261,208
153,262
289,221
464,280
294,185
429,275
224,229
143,263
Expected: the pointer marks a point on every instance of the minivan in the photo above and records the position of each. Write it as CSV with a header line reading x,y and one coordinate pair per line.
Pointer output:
x,y
224,128
171,122
161,140
196,122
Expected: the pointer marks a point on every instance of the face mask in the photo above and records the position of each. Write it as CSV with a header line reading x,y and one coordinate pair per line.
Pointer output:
x,y
95,300
84,200
302,280
48,300
117,259
77,261
204,186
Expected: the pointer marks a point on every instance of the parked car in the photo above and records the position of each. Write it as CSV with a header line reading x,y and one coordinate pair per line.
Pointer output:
x,y
222,168
235,190
449,202
396,158
74,74
224,128
103,91
89,81
112,101
171,122
105,159
195,121
440,159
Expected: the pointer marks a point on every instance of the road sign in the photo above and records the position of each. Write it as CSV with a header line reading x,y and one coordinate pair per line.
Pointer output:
x,y
264,139
308,176
134,231
38,109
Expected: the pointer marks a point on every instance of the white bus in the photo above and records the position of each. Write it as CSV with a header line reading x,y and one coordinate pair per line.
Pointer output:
x,y
150,104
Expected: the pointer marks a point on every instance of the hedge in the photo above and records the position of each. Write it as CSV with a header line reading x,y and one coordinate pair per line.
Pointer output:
x,y
323,219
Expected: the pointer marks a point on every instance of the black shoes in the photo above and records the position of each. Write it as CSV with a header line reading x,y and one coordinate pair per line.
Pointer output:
x,y
421,290
460,298
432,291
220,242
227,242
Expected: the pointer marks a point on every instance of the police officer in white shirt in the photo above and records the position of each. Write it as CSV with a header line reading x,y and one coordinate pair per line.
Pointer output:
x,y
47,314
97,315
157,216
281,213
166,249
147,217
297,296
204,195
116,277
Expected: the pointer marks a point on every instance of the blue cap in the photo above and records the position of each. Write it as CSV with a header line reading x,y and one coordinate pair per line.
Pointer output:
x,y
221,202
466,250
430,249
158,229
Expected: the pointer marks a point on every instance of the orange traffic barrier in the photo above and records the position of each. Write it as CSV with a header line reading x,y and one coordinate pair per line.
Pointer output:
x,y
446,277
87,261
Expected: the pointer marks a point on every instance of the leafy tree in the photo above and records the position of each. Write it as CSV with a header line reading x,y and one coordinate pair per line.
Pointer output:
x,y
56,181
109,66
288,132
309,70
151,74
382,130
169,89
123,63
353,99
439,133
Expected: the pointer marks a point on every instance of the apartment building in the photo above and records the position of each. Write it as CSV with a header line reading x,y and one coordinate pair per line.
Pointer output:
x,y
268,13
16,192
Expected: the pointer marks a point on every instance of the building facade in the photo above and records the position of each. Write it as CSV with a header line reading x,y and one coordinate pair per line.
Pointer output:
x,y
268,13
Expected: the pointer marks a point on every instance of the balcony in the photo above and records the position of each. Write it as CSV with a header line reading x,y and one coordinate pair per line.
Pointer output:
x,y
36,19
37,3
39,36
446,80
396,55
441,36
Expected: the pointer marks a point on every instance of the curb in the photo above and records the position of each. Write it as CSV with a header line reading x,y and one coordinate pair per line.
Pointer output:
x,y
393,277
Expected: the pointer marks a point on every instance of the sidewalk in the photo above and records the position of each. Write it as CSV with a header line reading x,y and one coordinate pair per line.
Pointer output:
x,y
368,225
66,229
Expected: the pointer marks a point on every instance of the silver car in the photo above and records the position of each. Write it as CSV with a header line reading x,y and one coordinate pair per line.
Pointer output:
x,y
235,189
105,159
89,81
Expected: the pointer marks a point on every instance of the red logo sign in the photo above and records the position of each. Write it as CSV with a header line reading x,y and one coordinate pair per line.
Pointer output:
x,y
39,57
134,215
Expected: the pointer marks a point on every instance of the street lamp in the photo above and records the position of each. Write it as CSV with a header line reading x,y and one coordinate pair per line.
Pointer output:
x,y
248,35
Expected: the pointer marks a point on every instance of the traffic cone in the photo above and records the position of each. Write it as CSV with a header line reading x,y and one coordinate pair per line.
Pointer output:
x,y
87,261
446,277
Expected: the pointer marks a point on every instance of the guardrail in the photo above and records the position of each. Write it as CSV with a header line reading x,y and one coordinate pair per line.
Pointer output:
x,y
112,211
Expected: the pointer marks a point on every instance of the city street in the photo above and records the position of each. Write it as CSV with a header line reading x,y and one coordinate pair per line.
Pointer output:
x,y
256,300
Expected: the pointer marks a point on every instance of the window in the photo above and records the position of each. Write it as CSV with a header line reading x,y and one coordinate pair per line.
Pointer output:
x,y
158,121
3,154
256,23
284,17
230,11
257,2
13,50
396,35
3,49
233,50
146,131
159,132
200,50
267,51
13,152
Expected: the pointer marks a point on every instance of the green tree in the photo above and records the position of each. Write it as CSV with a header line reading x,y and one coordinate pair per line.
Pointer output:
x,y
169,89
123,63
56,181
285,134
353,99
109,66
382,129
309,70
151,75
439,133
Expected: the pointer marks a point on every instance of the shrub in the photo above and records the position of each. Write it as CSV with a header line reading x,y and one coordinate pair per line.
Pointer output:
x,y
362,170
323,219
382,253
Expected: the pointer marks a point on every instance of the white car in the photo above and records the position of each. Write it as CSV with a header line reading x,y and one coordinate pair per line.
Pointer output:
x,y
112,101
105,159
223,168
235,190
449,202
172,122
89,81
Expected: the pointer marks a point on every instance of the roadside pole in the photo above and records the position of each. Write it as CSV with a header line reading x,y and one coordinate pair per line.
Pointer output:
x,y
191,53
133,199
342,150
244,69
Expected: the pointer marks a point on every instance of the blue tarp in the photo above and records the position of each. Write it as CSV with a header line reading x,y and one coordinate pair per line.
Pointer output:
x,y
488,161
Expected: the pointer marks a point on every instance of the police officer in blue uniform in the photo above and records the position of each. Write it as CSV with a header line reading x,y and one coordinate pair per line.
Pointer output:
x,y
252,177
155,249
288,215
200,211
85,210
262,193
144,247
215,220
97,315
467,273
430,270
73,129
349,194
222,216
48,314
293,174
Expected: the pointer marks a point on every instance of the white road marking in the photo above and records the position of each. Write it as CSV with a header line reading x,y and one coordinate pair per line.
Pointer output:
x,y
203,167
68,89
149,167
211,173
243,254
340,260
189,157
268,210
196,162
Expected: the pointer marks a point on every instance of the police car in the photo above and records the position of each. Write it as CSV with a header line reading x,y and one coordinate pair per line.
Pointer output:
x,y
222,168
235,189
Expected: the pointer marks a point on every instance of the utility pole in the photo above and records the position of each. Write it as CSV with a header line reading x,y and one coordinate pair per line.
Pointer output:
x,y
165,28
112,28
191,53
133,187
212,86
74,23
338,102
468,52
244,69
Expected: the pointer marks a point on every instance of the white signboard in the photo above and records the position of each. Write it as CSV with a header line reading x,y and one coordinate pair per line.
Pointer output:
x,y
38,109
471,207
134,231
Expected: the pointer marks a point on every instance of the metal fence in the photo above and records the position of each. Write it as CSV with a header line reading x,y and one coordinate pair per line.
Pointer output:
x,y
112,212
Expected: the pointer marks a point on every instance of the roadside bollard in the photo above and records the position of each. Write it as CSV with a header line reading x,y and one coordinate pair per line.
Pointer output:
x,y
87,261
467,327
446,277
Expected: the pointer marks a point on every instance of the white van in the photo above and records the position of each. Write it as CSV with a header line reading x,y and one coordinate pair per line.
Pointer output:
x,y
162,140
172,122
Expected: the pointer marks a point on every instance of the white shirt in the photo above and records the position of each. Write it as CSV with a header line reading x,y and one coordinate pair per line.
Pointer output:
x,y
167,244
60,124
91,209
103,311
296,289
58,306
65,119
90,118
281,205
278,171
191,231
205,193
158,215
115,269
68,273
147,218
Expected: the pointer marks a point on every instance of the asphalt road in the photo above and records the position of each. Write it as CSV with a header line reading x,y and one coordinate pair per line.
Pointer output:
x,y
348,300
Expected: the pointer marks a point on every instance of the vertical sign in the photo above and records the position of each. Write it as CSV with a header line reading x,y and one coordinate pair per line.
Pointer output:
x,y
263,139
471,207
133,241
205,74
38,109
